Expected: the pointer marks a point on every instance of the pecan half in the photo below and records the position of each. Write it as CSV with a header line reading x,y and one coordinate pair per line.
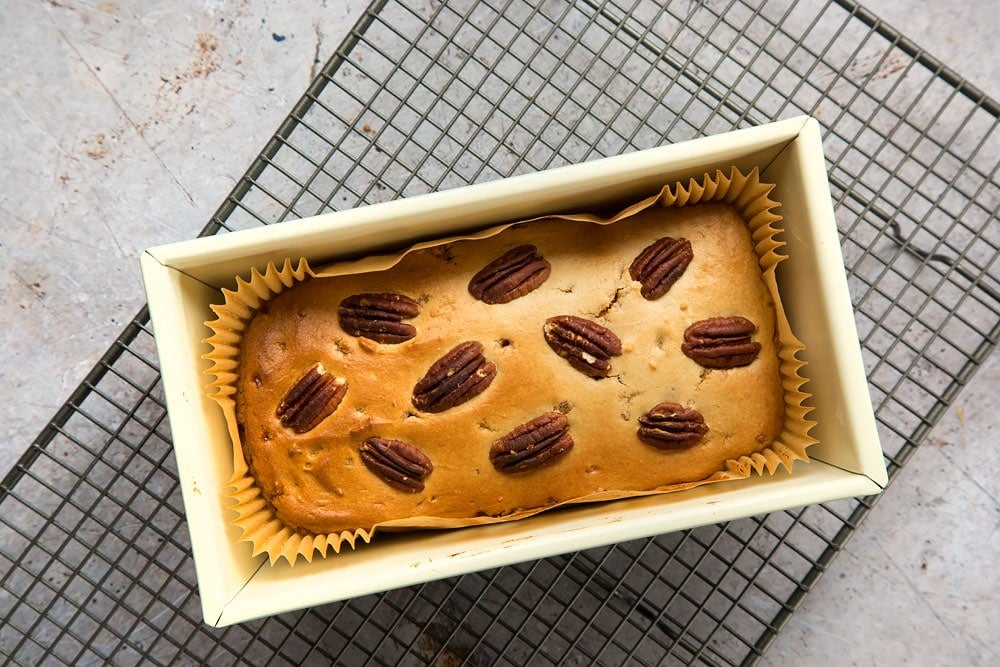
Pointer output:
x,y
533,444
586,345
311,400
400,465
379,316
721,342
660,264
462,373
672,426
512,275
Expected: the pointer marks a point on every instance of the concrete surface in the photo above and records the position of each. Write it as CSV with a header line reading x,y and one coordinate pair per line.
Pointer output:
x,y
124,125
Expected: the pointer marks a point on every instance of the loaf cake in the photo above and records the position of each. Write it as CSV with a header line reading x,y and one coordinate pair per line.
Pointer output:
x,y
553,361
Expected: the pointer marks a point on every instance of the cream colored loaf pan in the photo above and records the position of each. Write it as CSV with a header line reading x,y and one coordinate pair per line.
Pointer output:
x,y
182,279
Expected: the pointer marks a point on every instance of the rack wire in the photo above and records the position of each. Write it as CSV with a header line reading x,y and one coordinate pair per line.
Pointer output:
x,y
95,561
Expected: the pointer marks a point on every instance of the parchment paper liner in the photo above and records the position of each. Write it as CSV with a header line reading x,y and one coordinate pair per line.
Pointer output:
x,y
265,531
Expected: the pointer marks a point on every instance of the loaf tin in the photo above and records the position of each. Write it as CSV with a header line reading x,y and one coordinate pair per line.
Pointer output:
x,y
183,279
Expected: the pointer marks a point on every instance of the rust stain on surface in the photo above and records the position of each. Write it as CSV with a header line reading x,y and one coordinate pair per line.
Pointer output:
x,y
94,147
207,61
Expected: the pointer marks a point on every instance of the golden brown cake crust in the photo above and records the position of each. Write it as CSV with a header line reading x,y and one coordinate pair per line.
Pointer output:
x,y
316,481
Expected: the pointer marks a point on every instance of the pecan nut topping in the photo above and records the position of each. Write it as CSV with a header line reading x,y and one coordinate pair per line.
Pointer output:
x,y
515,273
721,342
672,426
586,345
399,464
379,316
312,399
532,445
660,264
462,373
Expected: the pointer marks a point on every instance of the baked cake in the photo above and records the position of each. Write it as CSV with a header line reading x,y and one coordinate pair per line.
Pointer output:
x,y
558,360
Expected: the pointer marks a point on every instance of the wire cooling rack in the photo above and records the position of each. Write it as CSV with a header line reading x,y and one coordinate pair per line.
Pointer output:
x,y
95,561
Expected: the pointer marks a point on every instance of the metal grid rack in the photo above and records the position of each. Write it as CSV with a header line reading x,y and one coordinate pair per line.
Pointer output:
x,y
95,562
